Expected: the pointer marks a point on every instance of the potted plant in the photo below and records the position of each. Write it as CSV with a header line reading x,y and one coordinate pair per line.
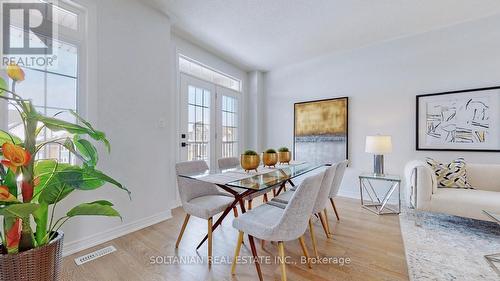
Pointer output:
x,y
250,160
34,251
270,158
284,155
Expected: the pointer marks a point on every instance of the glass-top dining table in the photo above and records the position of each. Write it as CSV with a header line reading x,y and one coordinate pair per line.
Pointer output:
x,y
240,184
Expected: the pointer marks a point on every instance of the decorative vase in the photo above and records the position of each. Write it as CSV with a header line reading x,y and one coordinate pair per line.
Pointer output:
x,y
269,159
284,157
250,162
43,263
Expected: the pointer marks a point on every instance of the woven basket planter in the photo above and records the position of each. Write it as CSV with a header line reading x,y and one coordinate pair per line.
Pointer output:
x,y
39,264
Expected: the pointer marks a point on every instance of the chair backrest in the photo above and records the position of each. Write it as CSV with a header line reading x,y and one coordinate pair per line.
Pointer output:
x,y
337,180
228,163
189,188
324,190
294,221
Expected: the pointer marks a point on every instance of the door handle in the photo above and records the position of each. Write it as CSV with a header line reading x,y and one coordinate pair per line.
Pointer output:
x,y
183,144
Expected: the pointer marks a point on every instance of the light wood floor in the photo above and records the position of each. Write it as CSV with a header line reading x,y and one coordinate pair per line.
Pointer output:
x,y
373,244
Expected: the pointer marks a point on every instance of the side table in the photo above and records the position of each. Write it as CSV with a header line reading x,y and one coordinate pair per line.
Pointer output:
x,y
378,202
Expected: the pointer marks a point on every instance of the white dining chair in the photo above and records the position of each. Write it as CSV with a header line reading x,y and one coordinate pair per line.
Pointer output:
x,y
274,223
319,208
234,163
200,199
337,180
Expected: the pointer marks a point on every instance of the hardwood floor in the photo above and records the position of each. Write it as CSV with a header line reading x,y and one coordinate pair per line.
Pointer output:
x,y
372,243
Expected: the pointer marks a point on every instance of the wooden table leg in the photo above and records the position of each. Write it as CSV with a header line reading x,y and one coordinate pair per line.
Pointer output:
x,y
255,256
237,199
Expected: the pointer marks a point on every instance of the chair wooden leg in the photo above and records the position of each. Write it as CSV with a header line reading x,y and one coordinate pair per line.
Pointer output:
x,y
281,249
210,220
313,237
255,256
237,252
186,219
327,223
250,204
334,209
265,198
304,250
274,192
262,244
235,211
323,223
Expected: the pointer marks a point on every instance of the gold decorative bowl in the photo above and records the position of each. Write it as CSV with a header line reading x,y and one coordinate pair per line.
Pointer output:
x,y
250,162
269,159
284,157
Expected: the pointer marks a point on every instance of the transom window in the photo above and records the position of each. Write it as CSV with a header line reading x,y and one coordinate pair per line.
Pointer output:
x,y
198,70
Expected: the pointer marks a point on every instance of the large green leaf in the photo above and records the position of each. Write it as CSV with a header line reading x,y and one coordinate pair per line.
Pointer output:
x,y
93,179
19,210
55,124
41,219
11,182
87,150
54,193
3,86
46,175
100,136
97,208
7,137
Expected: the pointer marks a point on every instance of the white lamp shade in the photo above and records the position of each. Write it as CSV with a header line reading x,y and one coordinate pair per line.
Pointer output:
x,y
378,145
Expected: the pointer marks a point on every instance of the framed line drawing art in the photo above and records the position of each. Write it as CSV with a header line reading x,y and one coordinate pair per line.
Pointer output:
x,y
321,130
467,120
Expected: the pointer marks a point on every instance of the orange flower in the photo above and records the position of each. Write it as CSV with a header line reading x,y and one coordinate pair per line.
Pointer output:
x,y
15,72
5,195
15,156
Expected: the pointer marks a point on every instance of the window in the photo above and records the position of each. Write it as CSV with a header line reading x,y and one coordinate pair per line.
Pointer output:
x,y
229,126
53,91
196,69
198,123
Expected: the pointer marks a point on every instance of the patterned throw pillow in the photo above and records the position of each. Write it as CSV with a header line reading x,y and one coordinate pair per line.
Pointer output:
x,y
452,175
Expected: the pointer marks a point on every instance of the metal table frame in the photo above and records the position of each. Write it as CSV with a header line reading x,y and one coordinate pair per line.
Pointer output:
x,y
493,259
378,204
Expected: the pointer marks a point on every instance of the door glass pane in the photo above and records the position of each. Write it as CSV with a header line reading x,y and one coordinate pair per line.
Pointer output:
x,y
229,126
198,143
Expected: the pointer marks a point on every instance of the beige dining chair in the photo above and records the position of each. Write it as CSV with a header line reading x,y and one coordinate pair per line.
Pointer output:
x,y
274,223
337,180
319,208
200,199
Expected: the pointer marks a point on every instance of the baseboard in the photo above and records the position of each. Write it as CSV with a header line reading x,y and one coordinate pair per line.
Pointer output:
x,y
121,230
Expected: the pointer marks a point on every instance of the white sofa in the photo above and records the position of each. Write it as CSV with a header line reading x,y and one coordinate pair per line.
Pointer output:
x,y
470,203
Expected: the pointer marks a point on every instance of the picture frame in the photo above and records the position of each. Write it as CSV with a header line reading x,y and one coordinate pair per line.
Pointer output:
x,y
464,120
321,130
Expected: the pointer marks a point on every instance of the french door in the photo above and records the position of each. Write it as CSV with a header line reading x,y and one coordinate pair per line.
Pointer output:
x,y
209,121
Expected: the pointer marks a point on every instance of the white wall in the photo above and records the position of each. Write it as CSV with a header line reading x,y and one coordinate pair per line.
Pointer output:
x,y
130,91
255,111
382,82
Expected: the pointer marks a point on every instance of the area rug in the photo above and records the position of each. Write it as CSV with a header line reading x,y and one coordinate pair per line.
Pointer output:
x,y
442,247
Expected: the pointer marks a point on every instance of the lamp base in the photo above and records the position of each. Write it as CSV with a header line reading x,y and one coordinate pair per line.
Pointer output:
x,y
378,165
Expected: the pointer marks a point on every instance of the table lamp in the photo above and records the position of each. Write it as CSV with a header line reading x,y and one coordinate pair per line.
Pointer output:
x,y
378,146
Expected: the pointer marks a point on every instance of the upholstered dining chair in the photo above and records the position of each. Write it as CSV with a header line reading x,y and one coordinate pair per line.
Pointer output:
x,y
272,222
337,180
319,208
232,163
199,199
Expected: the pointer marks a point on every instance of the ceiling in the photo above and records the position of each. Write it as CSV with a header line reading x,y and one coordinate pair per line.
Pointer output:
x,y
267,34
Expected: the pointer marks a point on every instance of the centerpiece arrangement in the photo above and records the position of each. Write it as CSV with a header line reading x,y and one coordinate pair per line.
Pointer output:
x,y
270,158
31,187
250,160
284,155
